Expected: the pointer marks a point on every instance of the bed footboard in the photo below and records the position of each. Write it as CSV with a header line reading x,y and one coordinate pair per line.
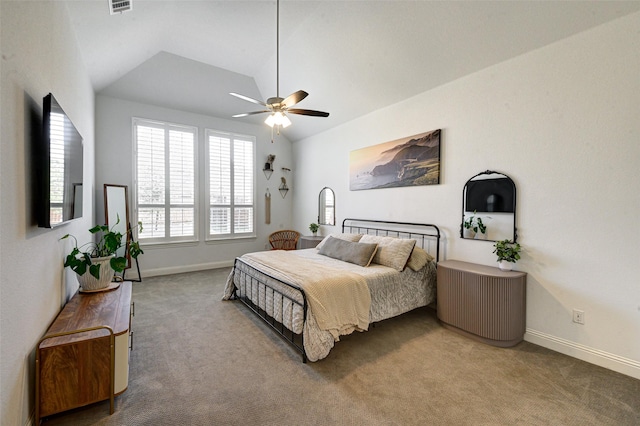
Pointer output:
x,y
262,293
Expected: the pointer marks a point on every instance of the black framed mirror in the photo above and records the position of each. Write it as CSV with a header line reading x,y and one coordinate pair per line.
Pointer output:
x,y
489,207
327,207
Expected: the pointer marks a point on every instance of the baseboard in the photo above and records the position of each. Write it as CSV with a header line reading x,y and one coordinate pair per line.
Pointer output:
x,y
604,359
186,268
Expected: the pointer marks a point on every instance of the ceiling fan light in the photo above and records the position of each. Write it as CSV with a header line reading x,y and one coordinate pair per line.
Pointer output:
x,y
270,121
278,119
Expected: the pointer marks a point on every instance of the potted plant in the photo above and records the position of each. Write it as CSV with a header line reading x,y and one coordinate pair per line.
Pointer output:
x,y
314,228
473,225
95,263
508,253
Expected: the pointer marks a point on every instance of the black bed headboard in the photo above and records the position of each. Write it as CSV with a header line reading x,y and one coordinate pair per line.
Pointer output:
x,y
425,234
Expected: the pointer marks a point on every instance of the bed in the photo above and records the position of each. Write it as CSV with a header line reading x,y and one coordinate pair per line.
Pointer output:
x,y
371,271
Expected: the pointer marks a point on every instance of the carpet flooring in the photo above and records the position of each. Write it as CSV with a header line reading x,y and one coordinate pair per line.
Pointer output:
x,y
200,361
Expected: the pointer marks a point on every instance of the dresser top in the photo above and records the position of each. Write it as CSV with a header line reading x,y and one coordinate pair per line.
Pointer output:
x,y
479,269
85,310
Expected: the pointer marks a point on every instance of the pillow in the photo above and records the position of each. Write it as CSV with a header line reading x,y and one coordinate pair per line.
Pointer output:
x,y
346,237
418,259
392,252
348,251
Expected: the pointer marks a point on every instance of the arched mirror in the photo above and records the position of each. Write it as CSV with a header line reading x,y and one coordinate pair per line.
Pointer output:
x,y
489,207
327,207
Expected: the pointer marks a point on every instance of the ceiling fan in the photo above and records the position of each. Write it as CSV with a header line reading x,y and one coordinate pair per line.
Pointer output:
x,y
277,106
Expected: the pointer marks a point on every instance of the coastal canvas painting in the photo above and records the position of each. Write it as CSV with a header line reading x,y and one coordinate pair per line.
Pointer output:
x,y
410,161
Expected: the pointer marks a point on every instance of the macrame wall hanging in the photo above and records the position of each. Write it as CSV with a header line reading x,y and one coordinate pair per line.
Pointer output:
x,y
267,207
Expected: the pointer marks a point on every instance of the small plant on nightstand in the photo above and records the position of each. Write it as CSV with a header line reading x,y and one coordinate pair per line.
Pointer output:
x,y
508,253
314,228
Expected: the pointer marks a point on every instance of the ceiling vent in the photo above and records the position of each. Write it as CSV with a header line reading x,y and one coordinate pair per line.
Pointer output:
x,y
119,6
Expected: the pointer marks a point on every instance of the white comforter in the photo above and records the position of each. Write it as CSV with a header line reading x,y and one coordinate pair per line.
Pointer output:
x,y
392,293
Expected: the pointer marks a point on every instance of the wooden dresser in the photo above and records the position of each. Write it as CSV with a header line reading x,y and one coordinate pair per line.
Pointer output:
x,y
84,356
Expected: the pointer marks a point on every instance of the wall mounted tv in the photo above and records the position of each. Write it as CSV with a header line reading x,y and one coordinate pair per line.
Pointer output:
x,y
60,169
490,195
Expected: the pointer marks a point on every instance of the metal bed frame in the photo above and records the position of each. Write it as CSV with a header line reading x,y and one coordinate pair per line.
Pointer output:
x,y
251,280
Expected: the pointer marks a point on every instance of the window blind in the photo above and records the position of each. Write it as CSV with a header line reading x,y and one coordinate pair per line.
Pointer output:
x,y
165,180
231,182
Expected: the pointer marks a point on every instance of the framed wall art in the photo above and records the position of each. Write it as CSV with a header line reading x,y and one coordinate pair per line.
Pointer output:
x,y
410,161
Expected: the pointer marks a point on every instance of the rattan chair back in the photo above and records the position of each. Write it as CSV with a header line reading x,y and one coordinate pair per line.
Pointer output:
x,y
284,240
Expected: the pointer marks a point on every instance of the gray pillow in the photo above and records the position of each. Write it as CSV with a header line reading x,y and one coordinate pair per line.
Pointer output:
x,y
346,237
348,251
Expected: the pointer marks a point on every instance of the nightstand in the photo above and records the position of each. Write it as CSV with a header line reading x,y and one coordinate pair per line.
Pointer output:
x,y
482,302
310,241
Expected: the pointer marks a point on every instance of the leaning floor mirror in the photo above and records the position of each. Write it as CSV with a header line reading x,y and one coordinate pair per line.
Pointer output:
x,y
116,213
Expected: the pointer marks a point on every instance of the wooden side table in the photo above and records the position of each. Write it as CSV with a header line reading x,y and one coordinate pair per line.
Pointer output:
x,y
84,356
482,302
310,241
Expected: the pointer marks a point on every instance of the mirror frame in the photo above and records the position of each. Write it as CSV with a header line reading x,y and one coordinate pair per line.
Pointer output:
x,y
464,193
119,207
322,207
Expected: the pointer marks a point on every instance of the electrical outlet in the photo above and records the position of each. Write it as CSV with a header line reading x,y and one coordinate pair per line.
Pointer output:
x,y
578,316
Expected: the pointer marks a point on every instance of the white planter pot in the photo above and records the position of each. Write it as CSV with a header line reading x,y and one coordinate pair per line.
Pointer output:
x,y
468,233
89,283
505,266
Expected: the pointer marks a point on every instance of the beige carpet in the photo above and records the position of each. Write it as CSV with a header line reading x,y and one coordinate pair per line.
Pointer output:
x,y
200,361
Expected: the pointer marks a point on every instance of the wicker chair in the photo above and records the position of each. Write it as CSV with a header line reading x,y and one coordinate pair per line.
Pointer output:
x,y
284,240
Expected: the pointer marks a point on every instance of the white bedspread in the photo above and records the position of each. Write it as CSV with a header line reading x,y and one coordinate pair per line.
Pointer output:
x,y
339,299
392,293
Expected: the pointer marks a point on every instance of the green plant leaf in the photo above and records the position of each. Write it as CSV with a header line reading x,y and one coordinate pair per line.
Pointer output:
x,y
134,249
95,271
118,263
112,242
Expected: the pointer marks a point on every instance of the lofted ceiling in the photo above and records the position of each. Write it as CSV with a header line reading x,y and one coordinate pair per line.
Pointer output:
x,y
353,57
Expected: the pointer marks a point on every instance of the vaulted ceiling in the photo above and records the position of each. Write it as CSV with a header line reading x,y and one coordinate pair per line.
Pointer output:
x,y
353,57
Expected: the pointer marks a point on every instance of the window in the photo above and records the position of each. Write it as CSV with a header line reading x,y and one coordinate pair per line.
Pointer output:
x,y
231,185
165,181
57,165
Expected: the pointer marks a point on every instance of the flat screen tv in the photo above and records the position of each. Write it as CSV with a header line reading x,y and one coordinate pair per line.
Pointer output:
x,y
59,167
490,196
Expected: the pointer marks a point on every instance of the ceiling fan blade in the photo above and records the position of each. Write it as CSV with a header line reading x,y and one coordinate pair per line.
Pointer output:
x,y
246,98
294,98
249,113
308,112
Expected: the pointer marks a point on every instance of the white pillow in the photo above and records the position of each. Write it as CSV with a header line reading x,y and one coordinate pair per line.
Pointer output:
x,y
354,238
418,259
392,252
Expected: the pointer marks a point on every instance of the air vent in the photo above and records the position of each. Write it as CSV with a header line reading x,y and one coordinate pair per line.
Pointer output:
x,y
119,6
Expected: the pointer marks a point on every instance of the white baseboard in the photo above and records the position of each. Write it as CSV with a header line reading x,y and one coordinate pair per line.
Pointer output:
x,y
187,268
604,359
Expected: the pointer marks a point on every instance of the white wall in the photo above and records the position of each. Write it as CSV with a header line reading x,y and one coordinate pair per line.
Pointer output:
x,y
114,163
39,55
562,122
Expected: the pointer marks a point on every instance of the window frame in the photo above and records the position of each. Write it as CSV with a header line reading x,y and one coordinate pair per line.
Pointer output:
x,y
167,127
233,136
